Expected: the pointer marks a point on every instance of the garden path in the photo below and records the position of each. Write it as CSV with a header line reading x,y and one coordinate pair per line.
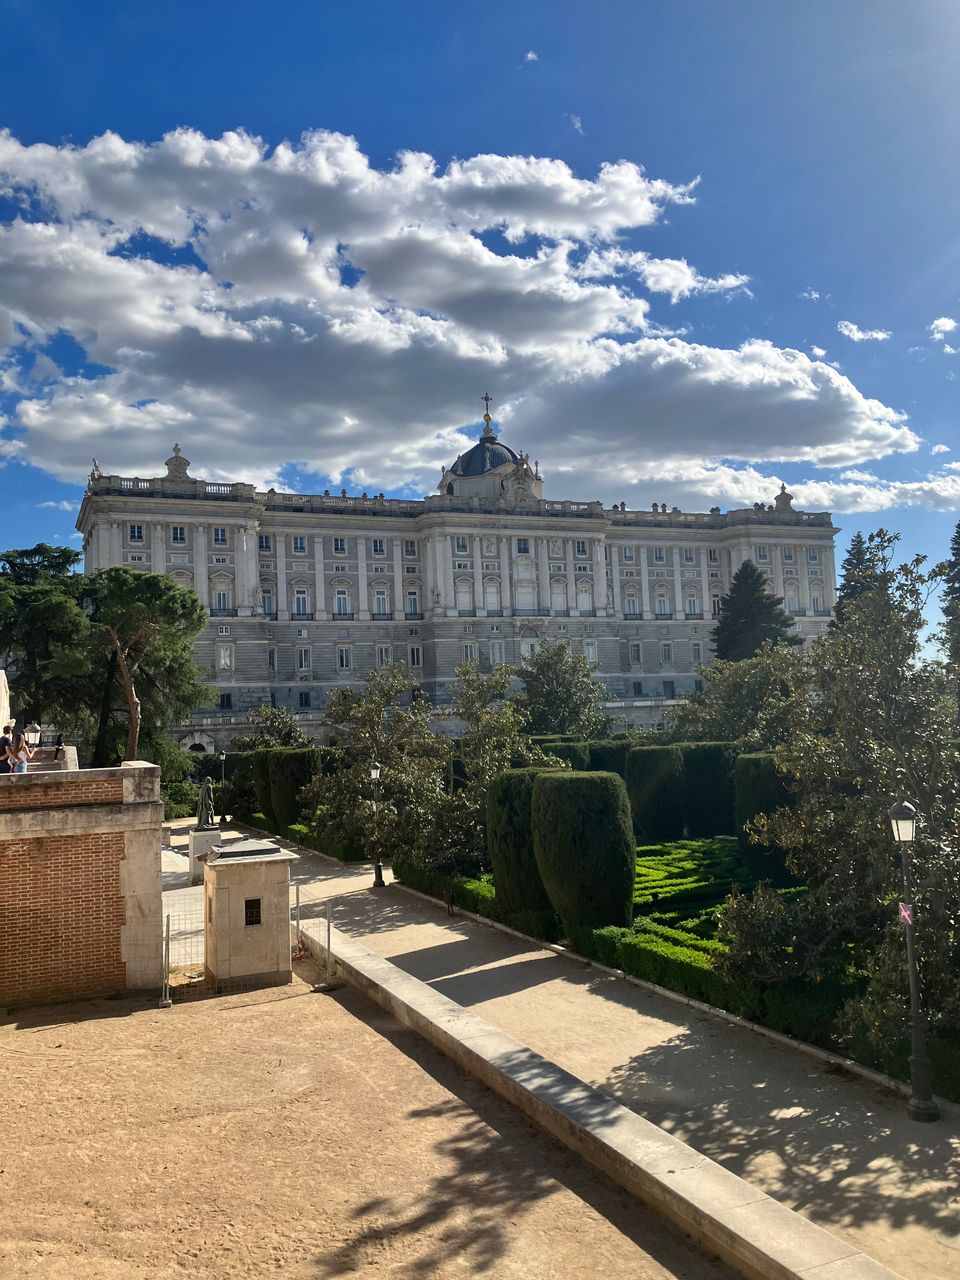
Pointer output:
x,y
836,1148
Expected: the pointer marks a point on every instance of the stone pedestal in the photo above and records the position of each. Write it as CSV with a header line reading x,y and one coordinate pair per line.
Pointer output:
x,y
246,889
201,842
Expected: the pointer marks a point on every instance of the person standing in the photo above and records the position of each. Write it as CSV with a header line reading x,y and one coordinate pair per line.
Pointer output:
x,y
6,749
22,753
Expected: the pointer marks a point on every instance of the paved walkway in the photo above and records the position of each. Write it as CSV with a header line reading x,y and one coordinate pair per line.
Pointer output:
x,y
836,1149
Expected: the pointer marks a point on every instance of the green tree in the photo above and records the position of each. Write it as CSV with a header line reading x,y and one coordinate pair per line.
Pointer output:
x,y
558,695
271,727
381,721
750,617
873,721
142,630
493,739
43,632
951,601
748,702
857,575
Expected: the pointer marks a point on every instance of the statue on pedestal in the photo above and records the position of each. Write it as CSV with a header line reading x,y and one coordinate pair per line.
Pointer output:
x,y
206,818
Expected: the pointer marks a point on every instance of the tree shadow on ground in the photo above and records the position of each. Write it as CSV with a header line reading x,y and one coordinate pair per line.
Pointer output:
x,y
498,1167
825,1142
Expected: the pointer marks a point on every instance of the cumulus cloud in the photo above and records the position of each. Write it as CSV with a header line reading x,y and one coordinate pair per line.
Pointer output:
x,y
811,295
856,334
940,448
531,56
302,306
940,327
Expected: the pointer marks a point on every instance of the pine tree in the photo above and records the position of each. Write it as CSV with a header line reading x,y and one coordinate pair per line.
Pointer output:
x,y
951,599
750,617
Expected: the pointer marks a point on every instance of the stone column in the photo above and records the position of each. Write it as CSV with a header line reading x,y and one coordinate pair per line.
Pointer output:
x,y
506,588
157,549
677,585
200,575
615,577
364,603
644,569
116,543
320,589
399,591
599,579
246,570
449,591
432,584
776,555
543,572
283,597
571,580
478,601
803,577
704,583
829,576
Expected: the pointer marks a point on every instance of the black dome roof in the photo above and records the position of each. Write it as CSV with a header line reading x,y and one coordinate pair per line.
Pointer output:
x,y
486,455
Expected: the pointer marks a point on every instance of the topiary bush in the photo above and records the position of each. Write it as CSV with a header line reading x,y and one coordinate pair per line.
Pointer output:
x,y
654,778
521,896
289,770
759,788
708,788
260,775
609,755
576,754
584,847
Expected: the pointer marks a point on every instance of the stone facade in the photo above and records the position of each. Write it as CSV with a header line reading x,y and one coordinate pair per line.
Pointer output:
x,y
80,888
306,593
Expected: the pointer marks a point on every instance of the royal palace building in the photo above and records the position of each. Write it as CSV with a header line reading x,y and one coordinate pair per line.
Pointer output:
x,y
307,593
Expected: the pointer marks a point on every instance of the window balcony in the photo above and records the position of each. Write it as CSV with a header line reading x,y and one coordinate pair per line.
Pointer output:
x,y
340,615
412,616
494,613
466,613
223,613
823,613
797,613
587,613
271,617
560,613
663,616
305,616
529,613
693,615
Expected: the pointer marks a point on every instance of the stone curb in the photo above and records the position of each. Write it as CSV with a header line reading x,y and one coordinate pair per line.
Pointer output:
x,y
752,1232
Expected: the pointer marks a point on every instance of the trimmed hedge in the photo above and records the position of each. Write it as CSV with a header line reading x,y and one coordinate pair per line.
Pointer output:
x,y
260,770
289,770
609,756
583,844
759,788
708,787
207,764
521,897
654,778
576,754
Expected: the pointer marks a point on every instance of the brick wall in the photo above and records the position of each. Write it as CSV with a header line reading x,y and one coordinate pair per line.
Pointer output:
x,y
79,883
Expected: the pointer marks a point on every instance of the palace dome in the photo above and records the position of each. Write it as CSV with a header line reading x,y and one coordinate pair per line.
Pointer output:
x,y
486,455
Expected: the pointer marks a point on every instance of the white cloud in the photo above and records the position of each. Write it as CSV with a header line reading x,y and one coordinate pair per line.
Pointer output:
x,y
63,505
856,334
811,295
940,448
576,121
818,352
531,56
345,318
940,327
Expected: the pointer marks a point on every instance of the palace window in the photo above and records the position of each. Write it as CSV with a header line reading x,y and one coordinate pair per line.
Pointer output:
x,y
381,603
666,653
263,542
631,606
299,544
763,554
788,555
178,533
470,651
523,546
461,546
304,699
267,597
715,606
226,702
662,608
384,655
379,547
590,651
343,658
136,533
496,653
581,547
696,652
342,602
271,659
414,655
301,601
636,653
219,536
813,555
409,547
659,556
303,658
627,555
669,689
688,555
713,555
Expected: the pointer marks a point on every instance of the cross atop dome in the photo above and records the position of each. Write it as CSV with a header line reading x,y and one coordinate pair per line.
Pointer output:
x,y
488,431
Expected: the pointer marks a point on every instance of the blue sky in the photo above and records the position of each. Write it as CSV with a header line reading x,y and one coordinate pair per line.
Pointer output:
x,y
308,317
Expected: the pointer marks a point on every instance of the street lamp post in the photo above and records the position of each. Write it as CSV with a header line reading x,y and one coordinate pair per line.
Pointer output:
x,y
32,735
921,1106
378,881
223,803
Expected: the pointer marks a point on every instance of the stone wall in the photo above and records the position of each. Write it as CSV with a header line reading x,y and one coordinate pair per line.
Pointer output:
x,y
80,886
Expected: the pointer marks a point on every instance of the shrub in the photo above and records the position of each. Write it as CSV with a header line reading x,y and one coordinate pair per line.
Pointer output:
x,y
609,755
759,788
708,788
260,774
520,890
180,799
584,848
576,754
654,778
289,770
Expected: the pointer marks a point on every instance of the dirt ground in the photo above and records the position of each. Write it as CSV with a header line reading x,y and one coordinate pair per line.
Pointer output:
x,y
287,1133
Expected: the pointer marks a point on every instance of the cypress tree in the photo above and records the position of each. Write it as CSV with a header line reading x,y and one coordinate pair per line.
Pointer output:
x,y
858,573
951,599
750,617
